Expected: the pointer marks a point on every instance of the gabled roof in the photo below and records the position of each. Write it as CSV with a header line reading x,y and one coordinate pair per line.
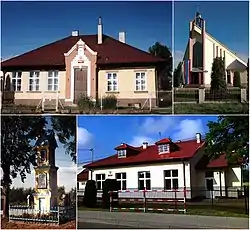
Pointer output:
x,y
111,51
186,150
83,175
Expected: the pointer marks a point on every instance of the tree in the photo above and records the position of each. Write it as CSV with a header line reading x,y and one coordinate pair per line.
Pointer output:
x,y
229,135
178,75
65,127
236,80
17,150
90,194
165,69
218,76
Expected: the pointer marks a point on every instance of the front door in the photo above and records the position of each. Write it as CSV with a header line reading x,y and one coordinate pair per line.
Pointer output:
x,y
209,188
42,205
80,76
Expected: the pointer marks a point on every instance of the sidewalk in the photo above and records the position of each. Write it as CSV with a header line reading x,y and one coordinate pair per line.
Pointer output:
x,y
152,220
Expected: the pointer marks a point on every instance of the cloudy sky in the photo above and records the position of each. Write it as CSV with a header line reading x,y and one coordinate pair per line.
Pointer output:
x,y
66,174
104,133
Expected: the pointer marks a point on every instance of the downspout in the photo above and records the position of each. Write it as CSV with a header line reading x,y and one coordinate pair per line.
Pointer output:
x,y
203,51
220,184
184,178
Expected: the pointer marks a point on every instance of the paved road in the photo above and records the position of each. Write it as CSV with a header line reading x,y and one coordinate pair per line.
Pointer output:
x,y
111,220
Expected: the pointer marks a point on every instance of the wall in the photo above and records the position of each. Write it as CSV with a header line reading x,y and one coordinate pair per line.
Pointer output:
x,y
234,177
126,84
25,94
156,171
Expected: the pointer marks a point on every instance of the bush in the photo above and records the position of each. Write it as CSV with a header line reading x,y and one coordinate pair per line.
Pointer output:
x,y
110,185
85,102
90,194
109,102
236,80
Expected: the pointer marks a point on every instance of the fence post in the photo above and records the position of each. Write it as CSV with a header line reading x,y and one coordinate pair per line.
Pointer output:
x,y
201,94
185,206
110,201
150,102
101,106
243,95
245,199
144,200
58,215
175,197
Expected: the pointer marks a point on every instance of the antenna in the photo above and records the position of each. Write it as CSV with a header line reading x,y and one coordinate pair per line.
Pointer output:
x,y
198,8
160,134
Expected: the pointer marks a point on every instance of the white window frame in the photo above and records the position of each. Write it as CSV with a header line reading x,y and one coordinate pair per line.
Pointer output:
x,y
111,78
122,179
16,76
102,175
164,148
34,86
121,153
144,179
138,81
171,178
52,76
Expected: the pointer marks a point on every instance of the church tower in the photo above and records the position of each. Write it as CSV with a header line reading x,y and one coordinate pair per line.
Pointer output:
x,y
46,194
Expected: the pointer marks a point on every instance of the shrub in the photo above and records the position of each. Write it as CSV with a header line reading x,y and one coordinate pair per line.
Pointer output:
x,y
218,76
109,185
90,194
109,102
236,80
85,102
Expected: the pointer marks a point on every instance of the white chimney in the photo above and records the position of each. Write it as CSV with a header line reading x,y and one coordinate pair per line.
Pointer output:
x,y
122,37
198,138
145,145
75,33
100,30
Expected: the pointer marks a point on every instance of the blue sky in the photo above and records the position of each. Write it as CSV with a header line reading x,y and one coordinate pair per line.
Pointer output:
x,y
39,23
66,175
227,21
104,133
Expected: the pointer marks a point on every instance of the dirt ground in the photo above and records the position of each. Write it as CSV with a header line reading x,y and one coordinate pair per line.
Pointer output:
x,y
14,225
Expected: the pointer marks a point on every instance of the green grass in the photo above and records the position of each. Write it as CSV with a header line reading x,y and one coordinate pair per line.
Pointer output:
x,y
211,108
232,210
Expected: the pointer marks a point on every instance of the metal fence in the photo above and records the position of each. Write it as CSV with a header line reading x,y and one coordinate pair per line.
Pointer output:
x,y
206,95
55,215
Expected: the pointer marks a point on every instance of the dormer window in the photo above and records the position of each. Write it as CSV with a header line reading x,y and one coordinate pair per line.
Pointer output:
x,y
121,153
163,148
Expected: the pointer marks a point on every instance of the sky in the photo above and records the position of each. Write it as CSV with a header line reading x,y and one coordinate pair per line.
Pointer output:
x,y
104,133
228,22
39,23
66,174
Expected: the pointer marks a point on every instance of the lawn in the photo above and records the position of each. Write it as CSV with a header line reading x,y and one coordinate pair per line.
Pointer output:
x,y
225,208
211,108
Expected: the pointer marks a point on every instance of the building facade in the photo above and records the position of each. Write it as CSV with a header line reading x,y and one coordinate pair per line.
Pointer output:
x,y
167,166
201,50
90,65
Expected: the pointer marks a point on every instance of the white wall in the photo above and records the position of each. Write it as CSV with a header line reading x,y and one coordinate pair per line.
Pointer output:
x,y
156,173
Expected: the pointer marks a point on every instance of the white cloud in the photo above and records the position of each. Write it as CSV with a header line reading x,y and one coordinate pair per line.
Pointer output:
x,y
156,125
178,56
187,129
138,140
84,137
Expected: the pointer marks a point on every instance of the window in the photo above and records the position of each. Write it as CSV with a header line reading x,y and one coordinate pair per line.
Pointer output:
x,y
144,180
122,180
53,80
209,174
100,178
112,82
16,81
164,148
140,81
228,77
121,153
34,81
171,179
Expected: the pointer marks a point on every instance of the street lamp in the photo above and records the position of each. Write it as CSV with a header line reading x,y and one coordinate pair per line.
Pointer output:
x,y
92,159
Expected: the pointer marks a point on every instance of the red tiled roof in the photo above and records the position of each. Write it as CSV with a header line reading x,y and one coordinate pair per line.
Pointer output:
x,y
126,146
219,162
163,141
187,150
83,176
111,51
